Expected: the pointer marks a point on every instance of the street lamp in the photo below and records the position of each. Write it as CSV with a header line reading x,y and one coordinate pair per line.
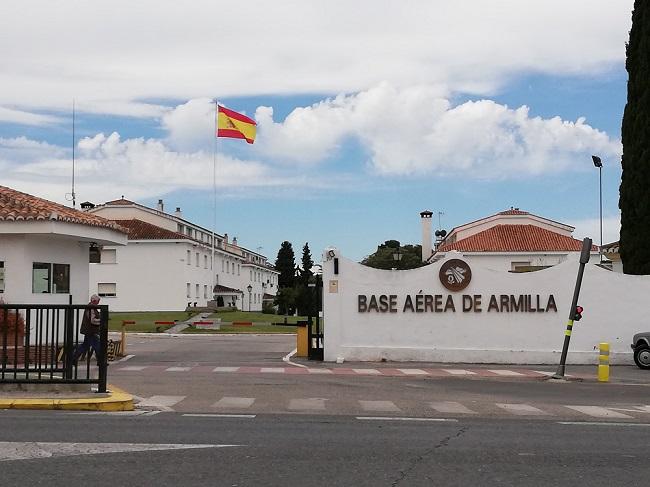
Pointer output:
x,y
397,257
250,289
599,164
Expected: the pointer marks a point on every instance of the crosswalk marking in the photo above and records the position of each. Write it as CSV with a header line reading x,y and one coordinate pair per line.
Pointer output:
x,y
380,406
320,371
459,372
133,368
505,372
163,402
177,369
367,371
522,409
276,370
311,404
225,369
234,402
413,372
599,412
451,407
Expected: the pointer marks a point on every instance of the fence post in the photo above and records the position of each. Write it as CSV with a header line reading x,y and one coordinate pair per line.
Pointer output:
x,y
103,346
68,340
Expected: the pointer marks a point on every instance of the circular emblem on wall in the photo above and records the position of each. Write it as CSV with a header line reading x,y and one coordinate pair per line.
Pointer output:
x,y
455,274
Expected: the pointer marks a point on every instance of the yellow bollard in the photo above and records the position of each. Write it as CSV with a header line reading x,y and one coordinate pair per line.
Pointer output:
x,y
603,363
302,341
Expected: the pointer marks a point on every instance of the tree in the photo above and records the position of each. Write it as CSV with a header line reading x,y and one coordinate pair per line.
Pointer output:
x,y
383,258
634,200
306,296
285,264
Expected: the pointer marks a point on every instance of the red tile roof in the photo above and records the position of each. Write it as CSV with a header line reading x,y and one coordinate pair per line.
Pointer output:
x,y
514,211
17,206
139,230
516,238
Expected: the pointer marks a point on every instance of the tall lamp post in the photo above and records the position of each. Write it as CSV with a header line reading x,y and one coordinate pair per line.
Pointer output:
x,y
250,289
397,257
599,164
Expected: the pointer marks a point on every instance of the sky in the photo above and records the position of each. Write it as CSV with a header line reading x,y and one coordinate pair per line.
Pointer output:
x,y
368,112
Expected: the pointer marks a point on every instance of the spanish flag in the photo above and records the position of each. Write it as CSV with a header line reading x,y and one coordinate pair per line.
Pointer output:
x,y
235,125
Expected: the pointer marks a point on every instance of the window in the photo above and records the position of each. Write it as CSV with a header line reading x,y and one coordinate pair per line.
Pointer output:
x,y
238,269
2,277
251,272
189,257
180,228
197,291
189,293
109,256
205,291
197,259
107,289
50,278
221,265
205,261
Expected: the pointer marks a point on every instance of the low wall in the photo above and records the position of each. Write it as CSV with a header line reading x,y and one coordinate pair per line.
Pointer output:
x,y
500,317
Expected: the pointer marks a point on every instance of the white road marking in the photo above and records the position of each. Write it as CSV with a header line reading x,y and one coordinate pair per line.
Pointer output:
x,y
319,371
544,372
366,371
459,372
164,403
234,402
133,368
313,404
451,407
272,370
225,369
601,423
599,412
17,450
128,357
287,359
177,369
413,372
510,373
212,415
380,406
394,418
522,409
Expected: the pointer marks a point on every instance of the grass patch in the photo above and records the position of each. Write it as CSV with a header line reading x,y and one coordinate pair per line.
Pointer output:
x,y
255,316
259,328
144,320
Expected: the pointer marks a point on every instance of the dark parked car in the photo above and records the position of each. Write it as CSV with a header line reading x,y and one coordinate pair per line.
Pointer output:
x,y
641,347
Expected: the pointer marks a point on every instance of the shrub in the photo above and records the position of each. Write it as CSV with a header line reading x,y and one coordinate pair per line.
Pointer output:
x,y
11,320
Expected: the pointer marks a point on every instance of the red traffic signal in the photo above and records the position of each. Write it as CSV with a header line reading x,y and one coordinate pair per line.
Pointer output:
x,y
577,315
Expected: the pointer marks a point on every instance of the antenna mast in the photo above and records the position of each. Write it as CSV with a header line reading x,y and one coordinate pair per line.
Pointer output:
x,y
74,199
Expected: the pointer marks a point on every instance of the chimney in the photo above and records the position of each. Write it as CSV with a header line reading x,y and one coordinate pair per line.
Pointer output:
x,y
234,241
425,218
178,213
161,206
87,205
225,238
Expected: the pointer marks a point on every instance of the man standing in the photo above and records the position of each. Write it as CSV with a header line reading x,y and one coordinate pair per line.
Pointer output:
x,y
90,330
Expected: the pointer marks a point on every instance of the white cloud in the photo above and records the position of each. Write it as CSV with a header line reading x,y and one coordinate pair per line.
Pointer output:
x,y
127,51
191,125
415,131
26,118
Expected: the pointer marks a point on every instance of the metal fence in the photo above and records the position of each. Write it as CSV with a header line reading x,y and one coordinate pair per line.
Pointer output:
x,y
38,342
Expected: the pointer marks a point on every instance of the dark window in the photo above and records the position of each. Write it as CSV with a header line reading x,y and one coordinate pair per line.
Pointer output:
x,y
50,278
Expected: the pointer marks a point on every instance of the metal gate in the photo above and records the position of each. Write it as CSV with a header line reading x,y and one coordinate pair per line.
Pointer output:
x,y
315,330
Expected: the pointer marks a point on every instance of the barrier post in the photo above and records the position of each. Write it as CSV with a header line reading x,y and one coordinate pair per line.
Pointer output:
x,y
603,362
302,348
124,323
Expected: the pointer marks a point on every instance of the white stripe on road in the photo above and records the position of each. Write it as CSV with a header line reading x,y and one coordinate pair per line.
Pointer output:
x,y
459,372
163,402
225,369
312,404
522,409
133,368
366,371
503,372
600,423
379,406
395,418
208,415
599,412
319,371
544,372
177,369
451,407
272,370
128,357
234,402
413,372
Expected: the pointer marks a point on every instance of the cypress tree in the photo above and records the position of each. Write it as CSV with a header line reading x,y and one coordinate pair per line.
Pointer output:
x,y
634,200
285,264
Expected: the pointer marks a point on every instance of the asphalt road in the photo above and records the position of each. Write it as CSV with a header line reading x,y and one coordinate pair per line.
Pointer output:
x,y
316,450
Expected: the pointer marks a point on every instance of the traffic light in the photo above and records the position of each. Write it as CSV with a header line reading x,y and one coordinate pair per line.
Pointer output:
x,y
577,316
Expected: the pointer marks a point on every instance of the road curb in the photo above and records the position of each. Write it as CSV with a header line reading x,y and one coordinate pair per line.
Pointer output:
x,y
115,400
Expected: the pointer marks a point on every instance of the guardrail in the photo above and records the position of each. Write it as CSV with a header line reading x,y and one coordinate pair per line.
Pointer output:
x,y
38,343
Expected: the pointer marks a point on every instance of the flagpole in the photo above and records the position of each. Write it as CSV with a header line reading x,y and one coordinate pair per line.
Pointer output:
x,y
214,191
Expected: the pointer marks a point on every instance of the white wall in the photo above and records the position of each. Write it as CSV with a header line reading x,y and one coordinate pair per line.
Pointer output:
x,y
19,252
503,261
613,303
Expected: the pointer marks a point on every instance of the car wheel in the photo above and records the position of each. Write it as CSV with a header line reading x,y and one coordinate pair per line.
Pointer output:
x,y
642,356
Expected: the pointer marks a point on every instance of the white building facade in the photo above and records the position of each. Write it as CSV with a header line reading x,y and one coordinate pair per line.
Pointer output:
x,y
168,264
